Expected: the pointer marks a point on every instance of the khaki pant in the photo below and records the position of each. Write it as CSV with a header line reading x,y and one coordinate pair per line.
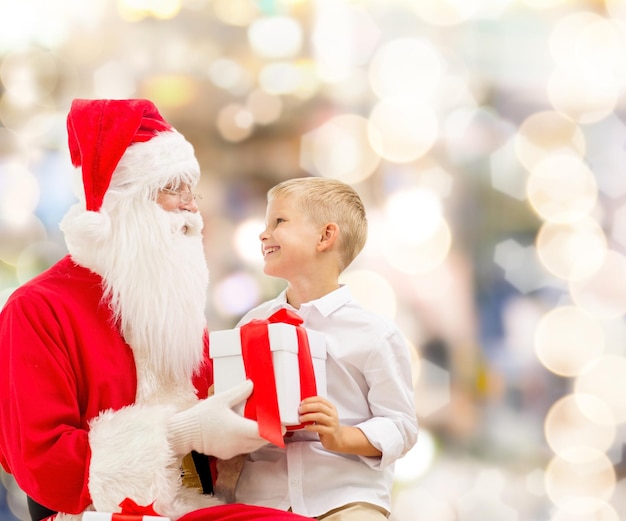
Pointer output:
x,y
356,512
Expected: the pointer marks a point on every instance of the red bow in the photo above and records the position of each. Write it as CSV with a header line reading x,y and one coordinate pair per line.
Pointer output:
x,y
257,357
130,507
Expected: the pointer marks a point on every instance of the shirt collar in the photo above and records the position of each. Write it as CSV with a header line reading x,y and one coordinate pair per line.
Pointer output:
x,y
325,305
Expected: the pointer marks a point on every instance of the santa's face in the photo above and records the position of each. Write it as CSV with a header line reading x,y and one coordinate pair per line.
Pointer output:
x,y
172,198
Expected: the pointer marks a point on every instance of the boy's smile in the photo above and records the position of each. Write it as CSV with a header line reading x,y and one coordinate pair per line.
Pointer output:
x,y
288,243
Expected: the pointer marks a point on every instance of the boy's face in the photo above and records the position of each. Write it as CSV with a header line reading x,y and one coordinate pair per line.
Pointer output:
x,y
289,240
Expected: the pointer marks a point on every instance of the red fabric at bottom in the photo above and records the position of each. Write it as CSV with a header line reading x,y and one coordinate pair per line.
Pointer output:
x,y
239,512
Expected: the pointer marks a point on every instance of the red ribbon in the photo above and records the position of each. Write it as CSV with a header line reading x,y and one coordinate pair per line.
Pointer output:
x,y
128,517
132,508
262,405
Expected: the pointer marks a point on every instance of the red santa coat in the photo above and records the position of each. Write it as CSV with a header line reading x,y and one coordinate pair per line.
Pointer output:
x,y
62,363
71,431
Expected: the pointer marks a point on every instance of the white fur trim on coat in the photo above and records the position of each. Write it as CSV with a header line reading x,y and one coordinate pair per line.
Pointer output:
x,y
131,457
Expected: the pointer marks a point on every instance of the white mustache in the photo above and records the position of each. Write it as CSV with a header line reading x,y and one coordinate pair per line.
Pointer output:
x,y
188,223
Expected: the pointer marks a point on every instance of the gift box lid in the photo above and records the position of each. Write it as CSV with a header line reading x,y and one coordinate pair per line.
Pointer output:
x,y
283,337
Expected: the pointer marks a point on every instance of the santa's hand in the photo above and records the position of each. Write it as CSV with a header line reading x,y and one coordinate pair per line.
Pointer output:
x,y
213,428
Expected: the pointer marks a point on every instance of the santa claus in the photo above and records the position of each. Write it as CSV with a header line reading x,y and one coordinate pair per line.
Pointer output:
x,y
104,375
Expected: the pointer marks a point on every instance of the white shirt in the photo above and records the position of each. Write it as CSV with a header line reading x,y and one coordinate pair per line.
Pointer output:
x,y
368,372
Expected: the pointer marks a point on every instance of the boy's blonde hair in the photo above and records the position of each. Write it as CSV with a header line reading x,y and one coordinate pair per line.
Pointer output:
x,y
328,200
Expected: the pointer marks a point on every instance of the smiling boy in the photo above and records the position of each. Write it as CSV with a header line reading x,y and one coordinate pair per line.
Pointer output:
x,y
341,466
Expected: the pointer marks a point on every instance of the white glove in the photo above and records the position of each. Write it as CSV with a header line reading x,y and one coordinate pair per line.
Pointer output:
x,y
213,428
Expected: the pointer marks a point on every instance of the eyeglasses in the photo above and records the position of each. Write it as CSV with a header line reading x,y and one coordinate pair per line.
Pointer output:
x,y
185,197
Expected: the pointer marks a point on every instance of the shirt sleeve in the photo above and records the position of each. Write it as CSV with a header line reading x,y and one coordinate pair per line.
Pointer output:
x,y
393,427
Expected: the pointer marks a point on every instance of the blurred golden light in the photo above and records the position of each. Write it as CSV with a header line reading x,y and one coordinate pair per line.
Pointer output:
x,y
402,129
229,75
418,460
372,291
45,24
562,246
419,502
235,12
432,388
580,480
616,9
17,24
587,44
413,257
31,123
602,291
246,240
16,115
236,294
534,482
585,99
89,48
5,293
234,122
332,40
561,188
29,75
19,193
446,12
37,257
264,107
435,284
308,80
170,91
484,496
618,231
598,511
275,36
405,67
165,9
588,50
16,236
436,179
470,133
544,4
114,80
545,133
351,90
568,427
567,339
136,10
416,362
605,378
413,215
280,78
340,149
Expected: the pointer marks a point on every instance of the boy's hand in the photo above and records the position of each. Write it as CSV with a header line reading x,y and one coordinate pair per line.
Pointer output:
x,y
325,420
335,437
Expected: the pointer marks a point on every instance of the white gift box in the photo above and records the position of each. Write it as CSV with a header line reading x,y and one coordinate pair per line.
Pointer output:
x,y
229,371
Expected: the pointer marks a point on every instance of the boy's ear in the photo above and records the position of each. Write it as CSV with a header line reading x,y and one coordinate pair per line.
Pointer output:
x,y
330,234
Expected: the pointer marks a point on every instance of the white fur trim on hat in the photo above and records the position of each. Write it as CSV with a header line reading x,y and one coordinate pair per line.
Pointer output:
x,y
156,162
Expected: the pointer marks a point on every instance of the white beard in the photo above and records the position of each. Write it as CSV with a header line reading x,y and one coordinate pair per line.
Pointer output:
x,y
155,280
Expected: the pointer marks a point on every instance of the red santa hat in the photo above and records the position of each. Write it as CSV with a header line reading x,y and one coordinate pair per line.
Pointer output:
x,y
117,142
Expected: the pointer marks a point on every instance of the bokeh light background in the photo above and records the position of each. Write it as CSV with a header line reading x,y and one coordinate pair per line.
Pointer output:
x,y
486,138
